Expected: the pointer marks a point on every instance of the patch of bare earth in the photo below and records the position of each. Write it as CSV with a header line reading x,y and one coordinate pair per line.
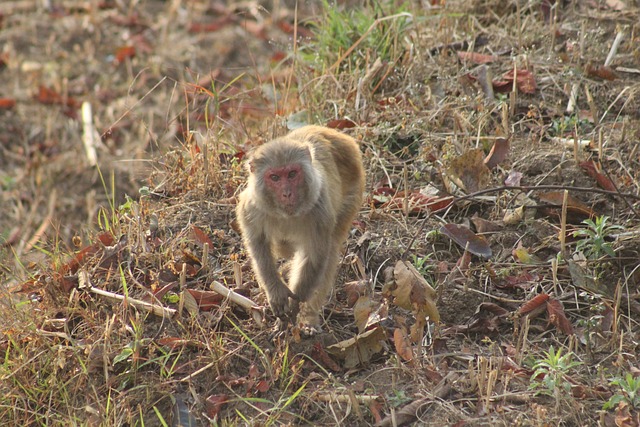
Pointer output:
x,y
107,271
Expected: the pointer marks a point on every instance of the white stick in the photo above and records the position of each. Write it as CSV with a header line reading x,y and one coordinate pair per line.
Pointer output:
x,y
89,134
614,48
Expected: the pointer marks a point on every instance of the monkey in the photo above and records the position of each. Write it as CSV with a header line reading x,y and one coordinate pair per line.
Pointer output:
x,y
302,194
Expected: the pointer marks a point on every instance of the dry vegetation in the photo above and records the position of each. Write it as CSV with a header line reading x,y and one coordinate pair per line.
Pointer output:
x,y
106,269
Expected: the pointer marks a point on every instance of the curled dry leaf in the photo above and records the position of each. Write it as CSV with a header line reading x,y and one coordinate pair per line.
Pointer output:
x,y
364,312
525,82
205,300
576,210
498,153
214,404
601,71
319,354
513,179
402,344
555,311
341,124
200,237
360,349
467,239
534,306
469,172
412,292
593,171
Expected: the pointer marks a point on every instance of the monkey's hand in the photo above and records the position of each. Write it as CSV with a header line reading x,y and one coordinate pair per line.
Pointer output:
x,y
278,297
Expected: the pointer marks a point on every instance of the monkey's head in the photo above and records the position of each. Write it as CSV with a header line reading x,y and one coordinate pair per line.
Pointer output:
x,y
284,177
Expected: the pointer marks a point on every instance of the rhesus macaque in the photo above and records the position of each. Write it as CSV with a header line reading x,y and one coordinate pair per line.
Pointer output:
x,y
303,191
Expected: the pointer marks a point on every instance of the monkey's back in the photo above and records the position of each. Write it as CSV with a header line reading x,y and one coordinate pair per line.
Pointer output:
x,y
340,157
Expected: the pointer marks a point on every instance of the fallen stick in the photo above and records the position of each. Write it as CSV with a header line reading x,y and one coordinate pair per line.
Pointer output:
x,y
158,310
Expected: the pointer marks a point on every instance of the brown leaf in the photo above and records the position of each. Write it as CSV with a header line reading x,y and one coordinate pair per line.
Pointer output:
x,y
319,354
214,403
576,210
601,71
341,124
537,304
360,349
355,290
557,317
413,292
49,96
477,58
593,170
201,237
402,344
498,153
525,81
7,103
123,53
206,300
484,226
418,202
210,27
467,239
468,171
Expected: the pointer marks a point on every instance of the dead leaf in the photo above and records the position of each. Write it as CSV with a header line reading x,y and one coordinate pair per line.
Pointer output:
x,y
484,226
200,237
413,292
341,124
123,53
534,306
583,279
477,58
576,210
319,354
469,172
402,344
467,240
525,82
7,103
601,71
521,254
360,349
205,300
555,311
417,203
513,179
214,403
498,153
593,170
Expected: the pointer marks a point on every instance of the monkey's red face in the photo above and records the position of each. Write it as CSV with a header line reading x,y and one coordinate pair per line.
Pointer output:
x,y
286,184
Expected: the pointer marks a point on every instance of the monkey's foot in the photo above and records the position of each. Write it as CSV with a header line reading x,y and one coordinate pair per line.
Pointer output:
x,y
310,330
279,330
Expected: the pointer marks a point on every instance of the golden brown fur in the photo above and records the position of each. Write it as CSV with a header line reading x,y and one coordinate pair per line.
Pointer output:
x,y
310,230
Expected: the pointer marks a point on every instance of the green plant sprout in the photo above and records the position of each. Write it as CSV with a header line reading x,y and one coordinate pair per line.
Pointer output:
x,y
594,243
629,392
554,369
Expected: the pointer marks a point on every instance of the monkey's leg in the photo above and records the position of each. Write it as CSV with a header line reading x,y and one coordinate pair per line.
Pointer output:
x,y
309,316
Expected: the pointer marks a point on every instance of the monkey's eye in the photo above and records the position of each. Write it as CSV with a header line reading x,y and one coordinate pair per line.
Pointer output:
x,y
292,174
274,177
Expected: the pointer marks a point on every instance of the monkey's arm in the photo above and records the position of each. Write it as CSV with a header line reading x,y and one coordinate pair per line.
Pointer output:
x,y
265,268
311,265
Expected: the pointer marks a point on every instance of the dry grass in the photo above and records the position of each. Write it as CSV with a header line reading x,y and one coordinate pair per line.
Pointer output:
x,y
175,121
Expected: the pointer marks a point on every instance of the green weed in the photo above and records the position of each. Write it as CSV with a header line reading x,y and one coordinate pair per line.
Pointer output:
x,y
629,392
594,243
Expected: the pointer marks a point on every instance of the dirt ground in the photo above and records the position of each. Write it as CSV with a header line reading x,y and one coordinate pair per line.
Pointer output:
x,y
124,126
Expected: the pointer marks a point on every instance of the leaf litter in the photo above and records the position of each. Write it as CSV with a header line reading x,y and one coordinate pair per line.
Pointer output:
x,y
115,293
